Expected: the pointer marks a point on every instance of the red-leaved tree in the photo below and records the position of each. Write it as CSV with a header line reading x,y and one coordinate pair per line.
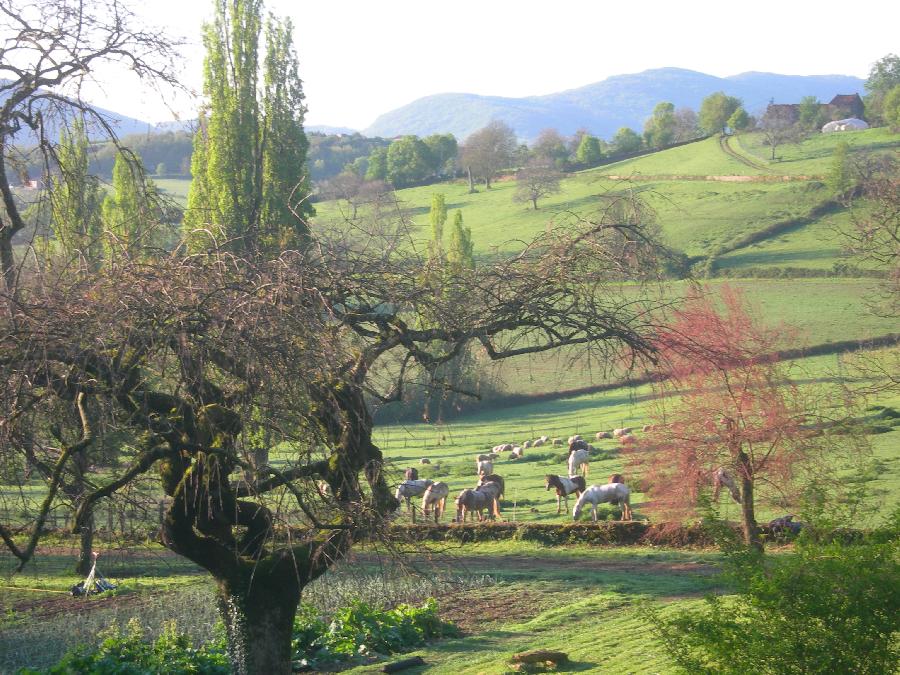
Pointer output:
x,y
728,417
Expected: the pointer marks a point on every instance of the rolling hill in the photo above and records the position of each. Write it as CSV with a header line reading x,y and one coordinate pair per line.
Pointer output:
x,y
602,107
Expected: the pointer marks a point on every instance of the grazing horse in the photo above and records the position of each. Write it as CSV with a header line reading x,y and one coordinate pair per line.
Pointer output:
x,y
721,478
409,489
494,486
579,459
470,500
599,494
435,497
564,487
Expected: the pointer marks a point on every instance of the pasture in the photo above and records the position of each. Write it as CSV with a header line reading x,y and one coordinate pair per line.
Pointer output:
x,y
508,596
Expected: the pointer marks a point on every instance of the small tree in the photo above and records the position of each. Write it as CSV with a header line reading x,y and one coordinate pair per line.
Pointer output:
x,y
589,152
715,111
840,179
811,115
725,403
489,150
739,120
884,76
551,147
535,181
626,140
778,127
687,125
659,130
408,161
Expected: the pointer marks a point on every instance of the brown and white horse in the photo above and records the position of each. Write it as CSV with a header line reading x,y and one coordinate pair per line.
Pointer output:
x,y
564,485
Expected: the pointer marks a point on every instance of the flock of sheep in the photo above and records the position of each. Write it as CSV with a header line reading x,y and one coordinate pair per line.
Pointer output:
x,y
490,487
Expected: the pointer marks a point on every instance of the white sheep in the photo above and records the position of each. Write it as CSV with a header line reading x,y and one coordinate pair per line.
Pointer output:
x,y
538,442
627,439
557,441
603,434
544,439
572,439
484,467
526,444
517,453
618,433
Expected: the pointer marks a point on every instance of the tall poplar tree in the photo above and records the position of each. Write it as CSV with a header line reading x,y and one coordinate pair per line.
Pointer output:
x,y
127,209
250,180
76,198
285,178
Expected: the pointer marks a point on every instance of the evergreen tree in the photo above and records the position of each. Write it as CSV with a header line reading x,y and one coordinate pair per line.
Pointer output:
x,y
76,197
438,216
461,252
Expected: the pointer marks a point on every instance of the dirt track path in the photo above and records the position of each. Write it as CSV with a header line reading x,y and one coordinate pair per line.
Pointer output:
x,y
725,145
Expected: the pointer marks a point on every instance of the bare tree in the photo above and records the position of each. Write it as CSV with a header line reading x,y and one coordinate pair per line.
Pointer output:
x,y
778,126
489,150
49,49
538,179
200,359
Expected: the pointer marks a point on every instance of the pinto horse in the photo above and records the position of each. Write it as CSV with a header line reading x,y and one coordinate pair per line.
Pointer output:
x,y
564,487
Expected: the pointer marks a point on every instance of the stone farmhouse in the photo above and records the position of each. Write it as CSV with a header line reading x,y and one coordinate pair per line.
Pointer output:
x,y
841,106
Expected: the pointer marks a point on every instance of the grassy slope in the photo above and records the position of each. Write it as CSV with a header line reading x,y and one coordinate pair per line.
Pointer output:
x,y
694,216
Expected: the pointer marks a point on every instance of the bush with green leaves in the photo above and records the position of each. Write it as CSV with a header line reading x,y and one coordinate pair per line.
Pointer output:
x,y
832,606
129,653
361,630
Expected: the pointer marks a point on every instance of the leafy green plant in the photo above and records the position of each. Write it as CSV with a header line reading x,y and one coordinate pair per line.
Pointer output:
x,y
832,607
360,629
126,652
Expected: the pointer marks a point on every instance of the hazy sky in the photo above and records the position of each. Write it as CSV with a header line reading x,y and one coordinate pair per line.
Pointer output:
x,y
360,58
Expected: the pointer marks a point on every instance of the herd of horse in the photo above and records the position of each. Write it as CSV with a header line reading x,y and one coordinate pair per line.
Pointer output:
x,y
485,496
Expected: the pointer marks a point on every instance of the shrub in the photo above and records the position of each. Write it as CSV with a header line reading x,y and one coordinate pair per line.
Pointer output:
x,y
832,607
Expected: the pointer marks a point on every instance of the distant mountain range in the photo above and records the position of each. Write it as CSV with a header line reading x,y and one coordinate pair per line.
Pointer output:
x,y
605,106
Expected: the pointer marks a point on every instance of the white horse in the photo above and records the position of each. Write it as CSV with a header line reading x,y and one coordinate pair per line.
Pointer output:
x,y
600,494
483,467
578,459
493,486
409,489
435,497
